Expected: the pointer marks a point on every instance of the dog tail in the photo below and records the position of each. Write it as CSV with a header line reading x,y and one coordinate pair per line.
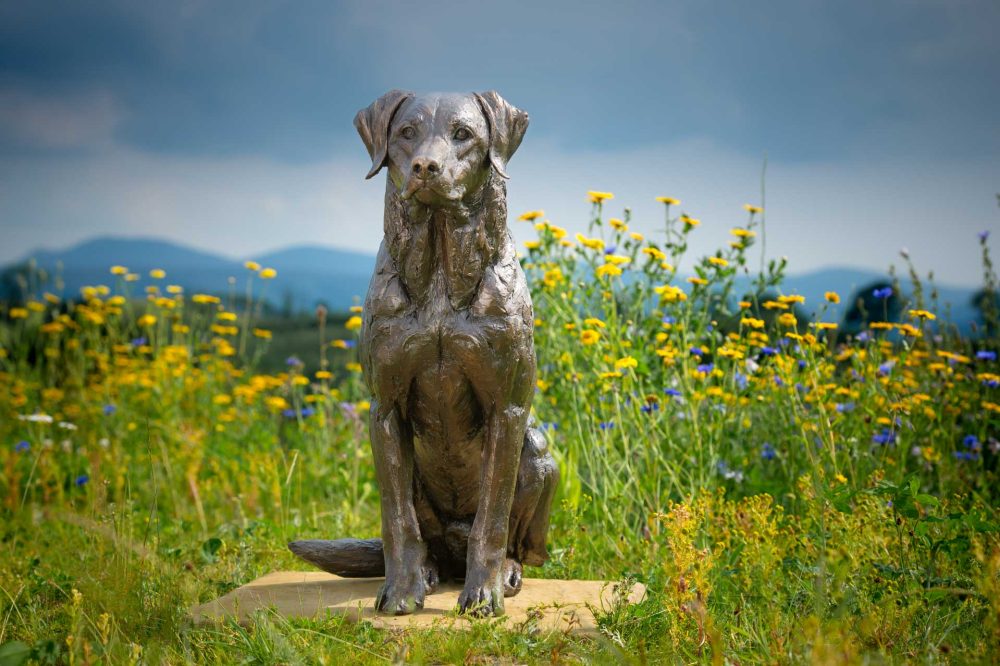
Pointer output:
x,y
350,558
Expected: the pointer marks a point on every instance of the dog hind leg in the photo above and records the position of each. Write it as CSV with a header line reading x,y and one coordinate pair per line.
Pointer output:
x,y
537,481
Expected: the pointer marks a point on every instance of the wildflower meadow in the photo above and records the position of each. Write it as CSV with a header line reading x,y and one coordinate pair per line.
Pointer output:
x,y
786,490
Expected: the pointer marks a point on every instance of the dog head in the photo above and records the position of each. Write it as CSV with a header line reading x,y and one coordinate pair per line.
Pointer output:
x,y
440,148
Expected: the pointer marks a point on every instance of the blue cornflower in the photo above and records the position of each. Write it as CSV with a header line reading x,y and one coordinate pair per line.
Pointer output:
x,y
138,342
288,413
985,355
549,425
864,336
667,319
983,235
673,393
705,367
971,442
768,452
109,409
886,368
293,361
22,446
81,480
696,351
649,408
741,380
307,412
606,425
885,437
769,351
965,455
610,249
778,381
845,407
802,364
350,343
884,292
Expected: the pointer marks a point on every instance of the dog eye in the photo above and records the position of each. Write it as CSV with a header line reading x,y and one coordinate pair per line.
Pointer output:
x,y
462,134
408,132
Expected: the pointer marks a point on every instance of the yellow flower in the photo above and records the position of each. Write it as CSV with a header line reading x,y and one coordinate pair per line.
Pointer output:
x,y
589,336
607,269
357,309
51,298
832,297
826,326
775,305
222,399
610,375
752,209
794,298
205,299
787,319
131,277
626,362
922,314
339,344
324,374
531,215
669,201
752,323
742,233
593,322
268,274
262,333
616,259
690,222
18,313
654,253
226,316
637,236
532,245
618,224
670,293
276,402
599,197
146,320
592,243
840,478
175,289
698,281
252,266
718,261
353,324
119,270
553,277
364,405
353,367
745,305
157,274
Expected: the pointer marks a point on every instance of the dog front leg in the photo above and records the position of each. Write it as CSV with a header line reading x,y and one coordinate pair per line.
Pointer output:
x,y
484,590
405,552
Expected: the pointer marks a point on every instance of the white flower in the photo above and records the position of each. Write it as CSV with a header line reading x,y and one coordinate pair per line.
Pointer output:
x,y
66,425
36,418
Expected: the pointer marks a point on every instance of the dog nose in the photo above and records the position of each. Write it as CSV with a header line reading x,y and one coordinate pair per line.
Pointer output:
x,y
424,167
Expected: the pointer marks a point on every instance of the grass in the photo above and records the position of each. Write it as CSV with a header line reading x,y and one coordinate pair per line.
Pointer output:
x,y
786,493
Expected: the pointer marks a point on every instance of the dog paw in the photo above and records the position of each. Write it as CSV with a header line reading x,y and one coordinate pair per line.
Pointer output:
x,y
512,577
402,594
482,599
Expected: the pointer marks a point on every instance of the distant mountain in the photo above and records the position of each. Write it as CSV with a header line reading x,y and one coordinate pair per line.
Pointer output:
x,y
307,275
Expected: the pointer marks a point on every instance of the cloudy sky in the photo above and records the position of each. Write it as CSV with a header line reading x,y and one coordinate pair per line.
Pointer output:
x,y
227,125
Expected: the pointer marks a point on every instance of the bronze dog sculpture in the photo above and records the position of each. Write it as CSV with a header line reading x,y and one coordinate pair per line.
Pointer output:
x,y
446,345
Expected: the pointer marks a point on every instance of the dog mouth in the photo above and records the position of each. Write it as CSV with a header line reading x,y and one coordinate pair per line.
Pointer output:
x,y
425,192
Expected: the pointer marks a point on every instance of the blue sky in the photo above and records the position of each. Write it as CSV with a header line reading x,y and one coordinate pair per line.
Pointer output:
x,y
227,125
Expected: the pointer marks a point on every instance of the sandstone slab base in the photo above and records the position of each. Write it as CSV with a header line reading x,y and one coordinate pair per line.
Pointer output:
x,y
549,605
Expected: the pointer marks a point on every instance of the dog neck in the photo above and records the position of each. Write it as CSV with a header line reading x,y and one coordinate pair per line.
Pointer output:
x,y
444,252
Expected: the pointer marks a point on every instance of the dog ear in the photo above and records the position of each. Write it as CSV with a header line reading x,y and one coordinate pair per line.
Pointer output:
x,y
373,126
507,126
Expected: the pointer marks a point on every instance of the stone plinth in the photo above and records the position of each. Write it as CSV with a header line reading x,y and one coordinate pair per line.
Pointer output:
x,y
549,605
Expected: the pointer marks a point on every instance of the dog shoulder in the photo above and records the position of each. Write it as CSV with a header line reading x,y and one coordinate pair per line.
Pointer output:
x,y
386,293
504,291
